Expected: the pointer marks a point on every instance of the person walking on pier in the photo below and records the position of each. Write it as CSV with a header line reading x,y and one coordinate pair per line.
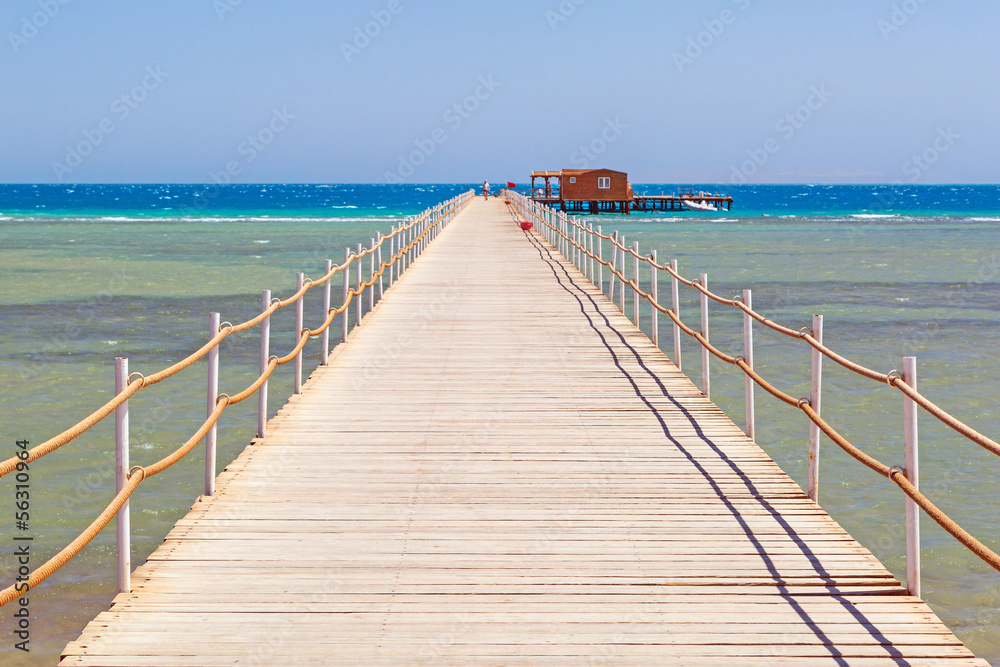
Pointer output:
x,y
486,190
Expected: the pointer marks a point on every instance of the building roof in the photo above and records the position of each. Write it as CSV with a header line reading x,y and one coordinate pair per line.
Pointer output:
x,y
573,172
577,172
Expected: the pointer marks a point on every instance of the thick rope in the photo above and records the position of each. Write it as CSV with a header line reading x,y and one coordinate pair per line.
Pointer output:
x,y
75,431
805,335
985,553
51,566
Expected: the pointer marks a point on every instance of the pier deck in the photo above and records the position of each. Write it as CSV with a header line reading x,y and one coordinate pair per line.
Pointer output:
x,y
677,202
499,468
645,203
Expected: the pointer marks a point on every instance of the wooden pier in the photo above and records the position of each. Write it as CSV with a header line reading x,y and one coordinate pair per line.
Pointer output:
x,y
647,203
499,468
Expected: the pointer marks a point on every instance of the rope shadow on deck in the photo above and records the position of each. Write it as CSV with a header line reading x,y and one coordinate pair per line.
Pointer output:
x,y
581,295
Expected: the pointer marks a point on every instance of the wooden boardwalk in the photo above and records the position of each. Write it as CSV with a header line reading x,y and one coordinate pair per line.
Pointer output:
x,y
498,468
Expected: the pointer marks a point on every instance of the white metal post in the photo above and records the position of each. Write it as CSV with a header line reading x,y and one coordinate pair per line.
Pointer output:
x,y
327,298
706,381
621,292
635,277
392,257
211,400
581,244
748,387
910,436
575,231
371,277
654,290
614,267
577,255
410,235
381,289
361,301
600,264
265,353
589,260
123,528
402,250
300,280
346,315
816,401
676,307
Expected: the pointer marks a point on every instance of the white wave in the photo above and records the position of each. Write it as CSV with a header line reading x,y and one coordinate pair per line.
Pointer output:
x,y
985,219
874,216
263,242
258,218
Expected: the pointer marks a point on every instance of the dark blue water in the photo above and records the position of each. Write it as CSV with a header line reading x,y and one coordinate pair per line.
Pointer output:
x,y
324,200
222,201
836,200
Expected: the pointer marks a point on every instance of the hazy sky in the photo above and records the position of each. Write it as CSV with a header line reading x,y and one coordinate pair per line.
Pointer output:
x,y
447,91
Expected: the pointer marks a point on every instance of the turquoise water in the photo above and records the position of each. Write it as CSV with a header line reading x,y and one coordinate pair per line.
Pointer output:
x,y
88,273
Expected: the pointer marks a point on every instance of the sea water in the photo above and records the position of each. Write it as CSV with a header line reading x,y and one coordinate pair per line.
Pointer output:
x,y
88,273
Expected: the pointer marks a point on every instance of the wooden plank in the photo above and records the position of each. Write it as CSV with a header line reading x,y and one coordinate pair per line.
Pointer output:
x,y
499,468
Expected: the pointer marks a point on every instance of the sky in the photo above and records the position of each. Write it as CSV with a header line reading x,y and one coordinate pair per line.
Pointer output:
x,y
415,91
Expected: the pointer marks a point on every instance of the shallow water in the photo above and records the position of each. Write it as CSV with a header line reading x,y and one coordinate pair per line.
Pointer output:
x,y
85,278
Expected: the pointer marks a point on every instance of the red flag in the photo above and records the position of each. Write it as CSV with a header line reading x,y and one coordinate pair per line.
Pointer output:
x,y
511,186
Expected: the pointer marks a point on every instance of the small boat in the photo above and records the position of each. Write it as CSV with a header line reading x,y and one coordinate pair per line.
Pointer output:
x,y
700,206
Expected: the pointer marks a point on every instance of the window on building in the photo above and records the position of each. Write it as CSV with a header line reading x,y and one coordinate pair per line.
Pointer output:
x,y
604,183
572,179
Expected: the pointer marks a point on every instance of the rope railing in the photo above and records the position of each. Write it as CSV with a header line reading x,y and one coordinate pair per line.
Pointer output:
x,y
802,334
564,234
407,242
104,411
